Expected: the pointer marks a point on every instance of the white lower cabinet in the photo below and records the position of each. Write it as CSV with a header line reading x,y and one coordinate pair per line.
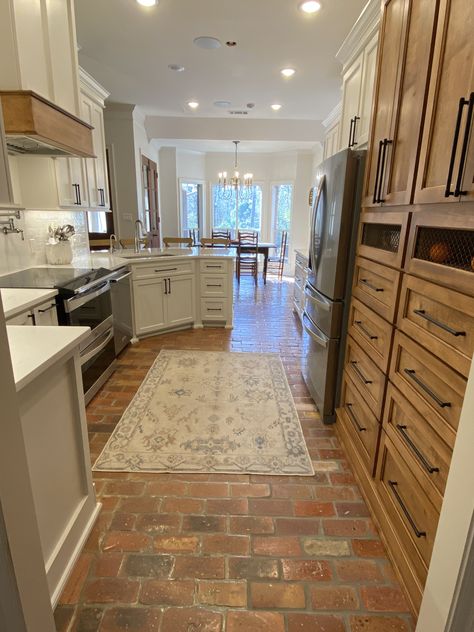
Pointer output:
x,y
180,301
42,315
149,300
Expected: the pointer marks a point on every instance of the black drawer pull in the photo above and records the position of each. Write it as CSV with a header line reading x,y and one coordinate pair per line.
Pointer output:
x,y
32,318
350,133
359,373
450,330
209,266
214,309
42,311
462,161
371,286
213,285
365,331
421,457
167,270
377,173
386,142
462,103
418,533
353,418
412,374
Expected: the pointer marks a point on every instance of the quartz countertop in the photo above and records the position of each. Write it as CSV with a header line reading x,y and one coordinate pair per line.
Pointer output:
x,y
17,300
34,349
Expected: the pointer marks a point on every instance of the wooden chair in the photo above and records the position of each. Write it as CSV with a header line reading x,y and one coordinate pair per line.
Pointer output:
x,y
178,241
221,234
194,235
99,244
215,242
130,243
247,255
276,264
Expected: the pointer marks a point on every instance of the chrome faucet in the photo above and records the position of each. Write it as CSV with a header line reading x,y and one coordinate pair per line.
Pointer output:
x,y
139,230
113,247
9,227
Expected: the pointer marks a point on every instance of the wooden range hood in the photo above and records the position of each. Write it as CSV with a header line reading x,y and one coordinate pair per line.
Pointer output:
x,y
36,127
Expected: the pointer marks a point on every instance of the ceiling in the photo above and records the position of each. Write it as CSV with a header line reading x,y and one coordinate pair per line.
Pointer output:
x,y
247,146
128,48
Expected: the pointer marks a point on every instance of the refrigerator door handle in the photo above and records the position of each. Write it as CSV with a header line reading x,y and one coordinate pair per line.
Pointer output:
x,y
323,342
317,298
313,228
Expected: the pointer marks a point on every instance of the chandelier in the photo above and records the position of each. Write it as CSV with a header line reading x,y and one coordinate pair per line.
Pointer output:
x,y
237,184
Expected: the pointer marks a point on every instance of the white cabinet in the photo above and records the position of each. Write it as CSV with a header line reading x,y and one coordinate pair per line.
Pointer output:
x,y
46,314
331,141
367,91
71,182
26,318
351,91
7,195
149,304
180,301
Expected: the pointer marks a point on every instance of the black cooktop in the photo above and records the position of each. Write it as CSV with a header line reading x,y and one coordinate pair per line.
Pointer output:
x,y
66,280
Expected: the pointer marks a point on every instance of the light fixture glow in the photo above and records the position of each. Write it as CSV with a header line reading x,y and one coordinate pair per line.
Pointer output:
x,y
276,107
310,6
288,72
193,105
147,3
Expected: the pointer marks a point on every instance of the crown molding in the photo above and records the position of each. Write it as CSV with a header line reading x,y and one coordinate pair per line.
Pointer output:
x,y
363,30
333,117
92,87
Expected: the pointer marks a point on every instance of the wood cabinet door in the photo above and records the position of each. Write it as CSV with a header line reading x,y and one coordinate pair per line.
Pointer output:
x,y
449,110
150,306
180,301
351,88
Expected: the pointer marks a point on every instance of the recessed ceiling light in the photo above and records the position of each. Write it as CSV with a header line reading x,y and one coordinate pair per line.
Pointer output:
x,y
147,3
193,105
287,72
176,67
222,104
207,42
276,107
310,6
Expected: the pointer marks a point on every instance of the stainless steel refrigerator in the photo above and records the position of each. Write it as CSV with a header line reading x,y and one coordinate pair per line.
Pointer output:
x,y
334,222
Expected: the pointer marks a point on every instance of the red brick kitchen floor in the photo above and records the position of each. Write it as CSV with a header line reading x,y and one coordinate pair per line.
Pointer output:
x,y
233,553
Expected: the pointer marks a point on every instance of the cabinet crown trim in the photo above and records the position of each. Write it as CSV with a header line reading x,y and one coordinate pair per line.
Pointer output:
x,y
91,87
363,30
333,117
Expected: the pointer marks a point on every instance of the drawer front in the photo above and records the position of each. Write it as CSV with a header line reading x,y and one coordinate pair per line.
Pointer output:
x,y
301,260
382,237
409,509
213,309
419,443
213,265
433,388
300,276
162,270
372,332
214,285
366,375
376,286
441,320
360,423
22,319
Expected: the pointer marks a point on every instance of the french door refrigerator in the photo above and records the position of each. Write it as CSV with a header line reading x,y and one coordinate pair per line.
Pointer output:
x,y
333,237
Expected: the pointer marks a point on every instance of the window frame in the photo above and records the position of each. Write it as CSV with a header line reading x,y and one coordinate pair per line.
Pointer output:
x,y
274,214
202,204
259,183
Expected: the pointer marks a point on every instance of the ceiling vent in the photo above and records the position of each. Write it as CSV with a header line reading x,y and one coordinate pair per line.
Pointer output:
x,y
238,112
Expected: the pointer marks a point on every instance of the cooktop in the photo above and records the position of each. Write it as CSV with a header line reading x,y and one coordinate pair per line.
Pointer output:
x,y
65,280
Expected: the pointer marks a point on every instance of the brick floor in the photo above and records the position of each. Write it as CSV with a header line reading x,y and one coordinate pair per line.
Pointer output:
x,y
215,553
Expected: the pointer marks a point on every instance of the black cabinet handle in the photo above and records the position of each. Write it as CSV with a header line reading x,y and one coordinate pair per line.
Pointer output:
x,y
169,286
431,319
43,311
418,533
213,285
371,286
350,133
365,331
79,194
377,173
412,374
421,457
353,418
359,373
354,143
167,270
76,194
462,103
467,133
214,309
102,197
386,142
32,318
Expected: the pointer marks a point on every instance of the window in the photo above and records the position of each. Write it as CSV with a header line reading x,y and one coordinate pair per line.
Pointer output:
x,y
237,210
282,204
191,207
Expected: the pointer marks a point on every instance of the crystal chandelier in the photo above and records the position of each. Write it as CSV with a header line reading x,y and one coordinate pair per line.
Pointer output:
x,y
241,185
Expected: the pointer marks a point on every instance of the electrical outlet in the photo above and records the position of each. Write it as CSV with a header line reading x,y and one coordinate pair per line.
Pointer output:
x,y
127,217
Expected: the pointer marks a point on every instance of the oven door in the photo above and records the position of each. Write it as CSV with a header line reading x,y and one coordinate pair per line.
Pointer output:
x,y
90,309
98,361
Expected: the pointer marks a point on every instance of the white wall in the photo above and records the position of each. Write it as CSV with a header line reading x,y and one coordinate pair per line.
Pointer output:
x,y
191,164
168,188
142,147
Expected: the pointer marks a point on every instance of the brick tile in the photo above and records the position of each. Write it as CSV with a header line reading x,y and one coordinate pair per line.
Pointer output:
x,y
140,504
383,598
252,568
251,524
204,523
325,466
126,541
76,580
63,617
358,571
158,523
253,490
108,565
315,623
276,546
124,488
342,478
306,570
190,619
239,621
208,490
226,544
199,568
334,598
183,505
176,543
111,590
368,548
223,593
166,488
313,508
131,620
297,526
355,510
270,507
332,492
280,490
123,522
277,596
235,506
137,565
88,620
321,547
348,528
167,593
368,623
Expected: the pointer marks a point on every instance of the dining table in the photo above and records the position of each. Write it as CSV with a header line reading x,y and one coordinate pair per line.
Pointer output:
x,y
264,248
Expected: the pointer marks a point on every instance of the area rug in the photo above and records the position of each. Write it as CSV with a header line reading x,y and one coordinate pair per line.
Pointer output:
x,y
210,412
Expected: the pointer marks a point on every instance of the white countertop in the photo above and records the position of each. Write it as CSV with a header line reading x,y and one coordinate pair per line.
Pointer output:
x,y
34,349
16,301
112,262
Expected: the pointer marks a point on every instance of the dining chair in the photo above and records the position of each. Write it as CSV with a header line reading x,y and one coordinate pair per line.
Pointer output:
x,y
178,241
223,233
276,264
130,243
247,255
194,235
215,242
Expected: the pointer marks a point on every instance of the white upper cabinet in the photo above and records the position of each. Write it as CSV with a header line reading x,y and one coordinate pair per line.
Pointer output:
x,y
7,196
351,97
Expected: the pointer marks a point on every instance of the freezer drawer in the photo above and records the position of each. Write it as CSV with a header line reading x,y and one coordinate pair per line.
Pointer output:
x,y
319,367
325,314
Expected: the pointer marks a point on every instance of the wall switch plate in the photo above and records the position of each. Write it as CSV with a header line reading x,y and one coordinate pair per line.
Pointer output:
x,y
127,216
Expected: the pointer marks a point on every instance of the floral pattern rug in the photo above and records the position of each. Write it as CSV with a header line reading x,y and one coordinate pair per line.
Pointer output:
x,y
210,412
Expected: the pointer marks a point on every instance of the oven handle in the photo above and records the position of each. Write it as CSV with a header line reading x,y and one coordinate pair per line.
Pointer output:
x,y
87,355
121,278
75,302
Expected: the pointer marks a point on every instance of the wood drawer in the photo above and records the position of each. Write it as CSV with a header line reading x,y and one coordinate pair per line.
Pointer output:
x,y
214,309
419,443
382,237
214,285
213,265
360,423
433,388
441,320
413,516
162,269
366,375
376,286
372,332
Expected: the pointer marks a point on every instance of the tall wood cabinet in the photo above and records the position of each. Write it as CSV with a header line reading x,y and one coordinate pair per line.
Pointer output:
x,y
411,323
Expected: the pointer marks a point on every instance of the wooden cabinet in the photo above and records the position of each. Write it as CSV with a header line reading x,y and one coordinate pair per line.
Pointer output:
x,y
377,287
446,166
383,236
